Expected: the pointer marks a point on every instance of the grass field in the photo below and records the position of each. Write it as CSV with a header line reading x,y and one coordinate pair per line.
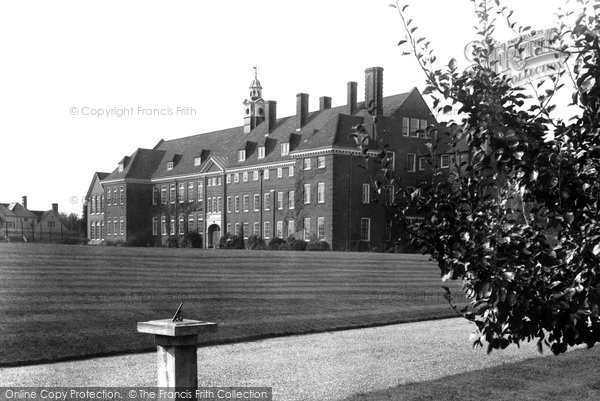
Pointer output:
x,y
63,302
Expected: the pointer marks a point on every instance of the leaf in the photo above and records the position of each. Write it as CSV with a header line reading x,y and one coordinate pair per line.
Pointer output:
x,y
402,42
596,249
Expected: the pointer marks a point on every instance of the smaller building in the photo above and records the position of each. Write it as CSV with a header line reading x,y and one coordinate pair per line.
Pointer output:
x,y
19,224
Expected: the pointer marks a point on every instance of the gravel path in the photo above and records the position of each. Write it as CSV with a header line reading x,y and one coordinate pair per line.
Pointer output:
x,y
325,366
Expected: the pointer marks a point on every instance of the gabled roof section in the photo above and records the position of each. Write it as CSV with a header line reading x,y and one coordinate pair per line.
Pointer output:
x,y
5,211
20,211
98,176
142,163
214,161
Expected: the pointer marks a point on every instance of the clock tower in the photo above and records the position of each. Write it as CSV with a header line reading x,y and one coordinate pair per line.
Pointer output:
x,y
254,105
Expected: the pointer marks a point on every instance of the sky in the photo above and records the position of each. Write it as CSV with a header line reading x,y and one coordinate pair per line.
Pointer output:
x,y
79,79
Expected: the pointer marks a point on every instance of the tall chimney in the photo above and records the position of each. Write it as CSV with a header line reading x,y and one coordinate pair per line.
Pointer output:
x,y
270,115
324,103
351,97
55,208
374,89
24,201
301,110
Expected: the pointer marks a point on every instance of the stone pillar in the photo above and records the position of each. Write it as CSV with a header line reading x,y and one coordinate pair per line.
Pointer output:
x,y
176,358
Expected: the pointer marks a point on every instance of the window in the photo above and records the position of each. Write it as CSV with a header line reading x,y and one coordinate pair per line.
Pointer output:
x,y
229,204
291,199
279,229
256,202
172,193
236,229
181,226
291,171
445,161
391,159
307,163
306,193
246,202
267,229
122,225
219,181
241,155
266,174
93,231
155,195
197,161
200,223
208,205
422,163
306,228
279,200
163,194
190,193
261,152
101,203
172,226
228,178
190,226
237,204
245,230
365,229
321,162
155,226
291,228
108,197
109,227
245,176
267,201
93,205
115,226
405,126
170,166
256,228
321,192
228,228
366,193
414,126
200,191
121,166
321,228
255,175
181,192
219,204
279,172
411,162
236,177
115,201
285,149
121,195
423,127
391,195
102,231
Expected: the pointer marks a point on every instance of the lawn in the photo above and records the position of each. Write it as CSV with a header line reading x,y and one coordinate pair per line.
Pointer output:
x,y
65,302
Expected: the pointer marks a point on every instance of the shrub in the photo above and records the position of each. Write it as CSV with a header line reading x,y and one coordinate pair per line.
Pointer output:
x,y
298,245
318,246
256,243
229,241
276,243
191,239
173,242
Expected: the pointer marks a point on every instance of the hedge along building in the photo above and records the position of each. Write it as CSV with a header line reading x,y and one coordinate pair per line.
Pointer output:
x,y
272,177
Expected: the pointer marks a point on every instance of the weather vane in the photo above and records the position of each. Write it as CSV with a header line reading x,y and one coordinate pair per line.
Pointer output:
x,y
177,316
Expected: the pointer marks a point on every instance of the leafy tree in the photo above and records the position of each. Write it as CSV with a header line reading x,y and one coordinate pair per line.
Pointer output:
x,y
519,221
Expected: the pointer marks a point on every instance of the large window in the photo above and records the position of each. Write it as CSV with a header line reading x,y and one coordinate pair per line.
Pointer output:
x,y
321,228
423,128
236,177
291,171
246,203
172,193
422,163
279,200
307,163
414,127
155,226
245,176
306,228
291,199
405,126
267,229
255,175
190,226
236,230
121,195
306,193
200,191
321,192
291,228
411,162
267,201
181,224
246,230
163,225
181,192
366,193
279,229
172,226
200,223
266,174
445,161
279,172
229,204
209,205
365,229
321,162
122,225
237,204
108,197
391,159
190,193
256,228
155,195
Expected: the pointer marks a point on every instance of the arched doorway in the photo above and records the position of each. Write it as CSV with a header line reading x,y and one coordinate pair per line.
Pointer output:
x,y
213,236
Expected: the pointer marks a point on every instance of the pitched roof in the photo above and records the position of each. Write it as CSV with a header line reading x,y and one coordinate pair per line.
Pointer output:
x,y
323,128
20,211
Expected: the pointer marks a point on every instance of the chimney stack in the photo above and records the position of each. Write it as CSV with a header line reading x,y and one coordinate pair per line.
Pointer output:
x,y
324,103
351,98
374,90
301,110
24,201
55,208
270,115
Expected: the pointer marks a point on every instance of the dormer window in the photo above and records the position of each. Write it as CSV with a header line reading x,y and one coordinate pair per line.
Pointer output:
x,y
285,149
197,161
121,166
261,152
170,166
241,155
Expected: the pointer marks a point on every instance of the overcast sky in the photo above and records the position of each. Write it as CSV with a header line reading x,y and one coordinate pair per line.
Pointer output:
x,y
64,59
